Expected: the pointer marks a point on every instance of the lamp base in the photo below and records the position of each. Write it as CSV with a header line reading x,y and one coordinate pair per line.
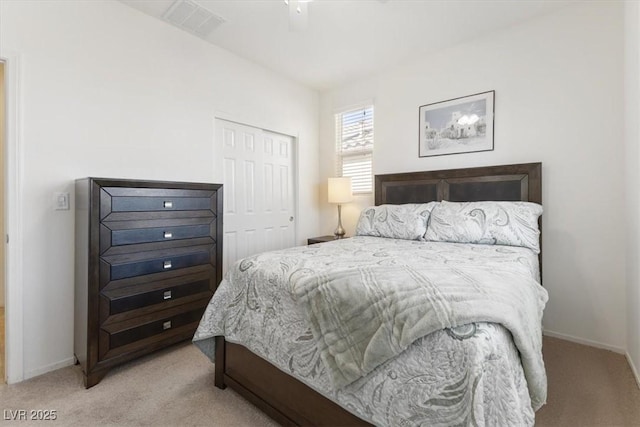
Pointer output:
x,y
339,233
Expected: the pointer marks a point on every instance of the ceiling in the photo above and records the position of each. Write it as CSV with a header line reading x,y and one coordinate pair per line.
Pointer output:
x,y
348,39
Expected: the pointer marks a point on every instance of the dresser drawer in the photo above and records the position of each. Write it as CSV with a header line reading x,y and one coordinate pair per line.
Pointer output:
x,y
125,336
160,234
120,270
157,265
141,296
124,233
116,199
136,204
155,327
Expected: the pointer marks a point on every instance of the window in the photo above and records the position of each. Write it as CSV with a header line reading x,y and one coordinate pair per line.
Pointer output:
x,y
354,147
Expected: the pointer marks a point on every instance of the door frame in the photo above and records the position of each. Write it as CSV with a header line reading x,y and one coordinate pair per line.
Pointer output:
x,y
13,181
294,134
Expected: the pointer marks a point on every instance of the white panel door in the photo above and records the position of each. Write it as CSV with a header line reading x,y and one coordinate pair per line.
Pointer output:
x,y
259,196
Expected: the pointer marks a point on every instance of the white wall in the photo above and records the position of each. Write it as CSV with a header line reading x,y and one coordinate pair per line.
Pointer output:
x,y
110,92
2,160
632,157
559,100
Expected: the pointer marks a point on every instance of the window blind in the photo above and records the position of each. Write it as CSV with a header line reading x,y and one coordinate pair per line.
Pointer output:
x,y
354,140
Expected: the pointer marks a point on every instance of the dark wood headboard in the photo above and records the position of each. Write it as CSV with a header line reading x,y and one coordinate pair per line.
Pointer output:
x,y
522,182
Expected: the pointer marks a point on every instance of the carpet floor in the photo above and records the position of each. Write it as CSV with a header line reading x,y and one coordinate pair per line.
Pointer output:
x,y
174,387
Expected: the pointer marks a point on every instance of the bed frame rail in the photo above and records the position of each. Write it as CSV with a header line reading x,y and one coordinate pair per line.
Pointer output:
x,y
282,397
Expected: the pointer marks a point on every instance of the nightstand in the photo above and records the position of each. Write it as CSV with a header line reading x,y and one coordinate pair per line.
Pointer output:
x,y
322,239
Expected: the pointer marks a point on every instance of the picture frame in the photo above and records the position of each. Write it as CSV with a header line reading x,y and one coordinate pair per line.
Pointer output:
x,y
458,125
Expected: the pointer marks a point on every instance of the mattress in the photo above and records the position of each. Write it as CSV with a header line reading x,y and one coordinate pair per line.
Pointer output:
x,y
468,375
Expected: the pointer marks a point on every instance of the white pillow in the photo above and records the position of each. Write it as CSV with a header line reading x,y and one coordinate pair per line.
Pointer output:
x,y
491,223
407,221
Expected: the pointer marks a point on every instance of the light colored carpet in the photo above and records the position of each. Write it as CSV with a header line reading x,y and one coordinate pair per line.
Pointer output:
x,y
587,387
174,387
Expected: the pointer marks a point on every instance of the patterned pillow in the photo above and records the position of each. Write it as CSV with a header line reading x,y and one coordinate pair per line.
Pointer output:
x,y
408,222
491,223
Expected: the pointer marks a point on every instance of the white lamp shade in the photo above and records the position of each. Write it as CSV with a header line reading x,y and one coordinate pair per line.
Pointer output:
x,y
340,190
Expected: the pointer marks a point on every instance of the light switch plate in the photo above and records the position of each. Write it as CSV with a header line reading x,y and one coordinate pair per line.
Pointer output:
x,y
61,201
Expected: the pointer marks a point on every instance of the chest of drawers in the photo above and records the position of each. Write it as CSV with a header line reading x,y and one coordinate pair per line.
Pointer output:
x,y
148,259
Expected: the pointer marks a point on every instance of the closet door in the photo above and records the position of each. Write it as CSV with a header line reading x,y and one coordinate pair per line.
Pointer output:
x,y
259,204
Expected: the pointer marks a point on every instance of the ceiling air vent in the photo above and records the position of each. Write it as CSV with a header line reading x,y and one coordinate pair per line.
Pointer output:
x,y
192,17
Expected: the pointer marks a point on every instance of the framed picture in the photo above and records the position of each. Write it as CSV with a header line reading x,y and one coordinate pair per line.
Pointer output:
x,y
459,125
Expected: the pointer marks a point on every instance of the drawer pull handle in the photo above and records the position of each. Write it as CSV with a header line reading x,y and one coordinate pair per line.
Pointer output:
x,y
168,204
167,295
168,235
166,325
166,265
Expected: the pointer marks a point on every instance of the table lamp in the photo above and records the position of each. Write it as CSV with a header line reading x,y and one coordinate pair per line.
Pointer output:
x,y
339,193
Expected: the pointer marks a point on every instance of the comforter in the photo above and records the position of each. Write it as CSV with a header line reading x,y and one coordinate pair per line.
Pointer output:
x,y
467,374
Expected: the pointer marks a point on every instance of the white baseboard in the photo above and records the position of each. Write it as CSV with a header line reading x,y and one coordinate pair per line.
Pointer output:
x,y
633,368
52,367
583,341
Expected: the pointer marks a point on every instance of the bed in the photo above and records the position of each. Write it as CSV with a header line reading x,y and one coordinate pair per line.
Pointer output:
x,y
477,372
